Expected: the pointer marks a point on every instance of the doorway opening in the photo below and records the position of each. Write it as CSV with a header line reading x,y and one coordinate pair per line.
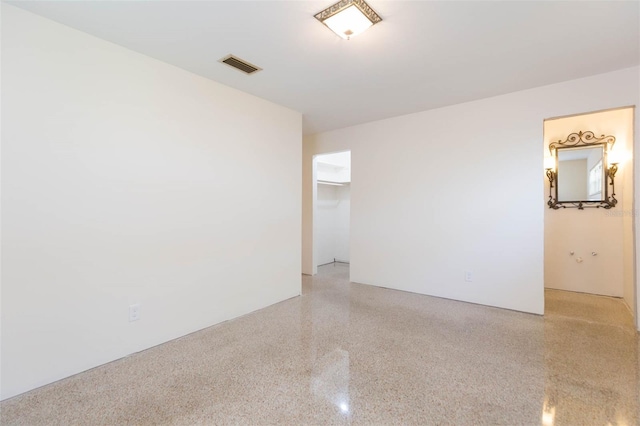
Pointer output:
x,y
589,252
332,209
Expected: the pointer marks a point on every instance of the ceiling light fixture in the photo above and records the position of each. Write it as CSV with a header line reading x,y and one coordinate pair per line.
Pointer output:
x,y
348,18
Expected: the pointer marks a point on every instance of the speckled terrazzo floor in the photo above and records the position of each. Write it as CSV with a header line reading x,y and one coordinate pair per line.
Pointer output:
x,y
354,354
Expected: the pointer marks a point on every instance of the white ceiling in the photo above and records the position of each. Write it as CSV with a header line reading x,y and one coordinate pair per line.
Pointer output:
x,y
425,54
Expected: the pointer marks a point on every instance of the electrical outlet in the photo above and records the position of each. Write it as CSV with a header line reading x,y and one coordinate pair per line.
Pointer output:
x,y
468,276
134,312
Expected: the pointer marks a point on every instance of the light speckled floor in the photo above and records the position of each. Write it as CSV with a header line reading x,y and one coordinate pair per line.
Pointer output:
x,y
348,353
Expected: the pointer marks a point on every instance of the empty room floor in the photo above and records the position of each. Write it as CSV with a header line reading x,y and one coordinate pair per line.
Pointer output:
x,y
347,353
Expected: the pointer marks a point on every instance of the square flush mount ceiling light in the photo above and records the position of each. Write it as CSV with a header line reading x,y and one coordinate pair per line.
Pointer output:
x,y
348,18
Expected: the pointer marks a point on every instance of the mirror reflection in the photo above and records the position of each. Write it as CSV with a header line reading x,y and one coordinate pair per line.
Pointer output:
x,y
581,174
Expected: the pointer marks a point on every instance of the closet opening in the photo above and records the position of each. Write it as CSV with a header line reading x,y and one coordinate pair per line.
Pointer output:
x,y
332,210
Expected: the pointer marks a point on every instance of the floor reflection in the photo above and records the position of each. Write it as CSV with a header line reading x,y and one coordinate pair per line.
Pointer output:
x,y
459,362
397,357
346,353
591,361
329,316
331,379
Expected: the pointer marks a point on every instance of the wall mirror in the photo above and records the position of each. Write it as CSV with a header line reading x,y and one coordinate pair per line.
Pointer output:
x,y
580,175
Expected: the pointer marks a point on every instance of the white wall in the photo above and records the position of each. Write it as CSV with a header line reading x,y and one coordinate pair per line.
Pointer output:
x,y
606,232
343,223
326,208
126,180
458,188
309,194
332,224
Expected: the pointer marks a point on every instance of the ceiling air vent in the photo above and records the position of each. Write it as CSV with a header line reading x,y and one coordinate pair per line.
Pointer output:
x,y
240,64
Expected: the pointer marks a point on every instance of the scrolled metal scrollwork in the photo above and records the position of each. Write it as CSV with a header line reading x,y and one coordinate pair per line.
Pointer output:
x,y
583,139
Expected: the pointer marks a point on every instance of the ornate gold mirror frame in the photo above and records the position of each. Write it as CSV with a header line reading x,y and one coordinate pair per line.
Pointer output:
x,y
577,140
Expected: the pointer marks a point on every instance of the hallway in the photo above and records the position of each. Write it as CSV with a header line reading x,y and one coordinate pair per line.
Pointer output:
x,y
347,353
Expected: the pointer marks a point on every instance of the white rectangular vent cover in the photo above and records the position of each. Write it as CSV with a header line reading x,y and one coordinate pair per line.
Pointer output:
x,y
240,64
